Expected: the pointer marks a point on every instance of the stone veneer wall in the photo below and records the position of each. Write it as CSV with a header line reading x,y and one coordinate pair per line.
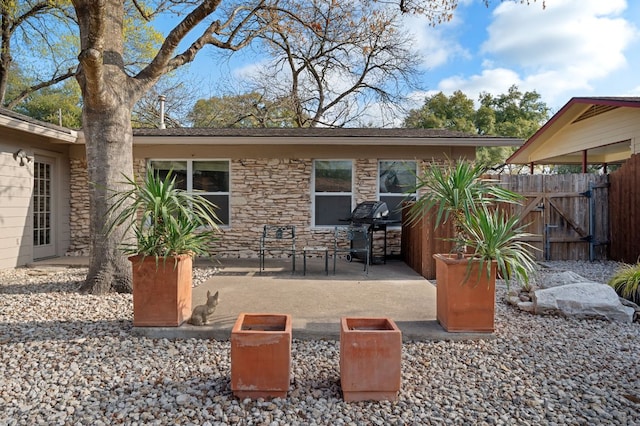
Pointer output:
x,y
79,204
263,191
278,191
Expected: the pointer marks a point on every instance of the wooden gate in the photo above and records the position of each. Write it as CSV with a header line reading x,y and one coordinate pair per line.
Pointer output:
x,y
568,215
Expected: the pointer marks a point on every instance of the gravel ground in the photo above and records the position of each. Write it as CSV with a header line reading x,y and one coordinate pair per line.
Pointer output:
x,y
71,359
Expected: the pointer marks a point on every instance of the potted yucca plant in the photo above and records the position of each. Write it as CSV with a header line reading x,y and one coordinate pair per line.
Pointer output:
x,y
487,242
169,226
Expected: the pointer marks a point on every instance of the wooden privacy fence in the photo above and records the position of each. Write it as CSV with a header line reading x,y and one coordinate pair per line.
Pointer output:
x,y
567,215
624,206
421,240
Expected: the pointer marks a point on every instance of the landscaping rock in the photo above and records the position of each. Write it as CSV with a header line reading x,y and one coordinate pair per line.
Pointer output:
x,y
582,300
558,278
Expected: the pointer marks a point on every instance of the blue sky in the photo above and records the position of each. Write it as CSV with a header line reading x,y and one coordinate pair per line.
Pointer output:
x,y
570,48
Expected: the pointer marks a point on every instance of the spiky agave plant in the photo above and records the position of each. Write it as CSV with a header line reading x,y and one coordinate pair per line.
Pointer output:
x,y
166,220
453,191
493,236
626,282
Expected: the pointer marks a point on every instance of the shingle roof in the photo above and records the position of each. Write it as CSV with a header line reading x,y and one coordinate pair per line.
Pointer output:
x,y
306,132
26,119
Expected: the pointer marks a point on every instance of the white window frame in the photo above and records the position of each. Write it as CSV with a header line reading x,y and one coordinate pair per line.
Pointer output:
x,y
394,194
189,172
328,194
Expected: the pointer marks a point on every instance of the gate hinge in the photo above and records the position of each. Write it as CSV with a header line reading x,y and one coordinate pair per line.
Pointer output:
x,y
586,194
588,238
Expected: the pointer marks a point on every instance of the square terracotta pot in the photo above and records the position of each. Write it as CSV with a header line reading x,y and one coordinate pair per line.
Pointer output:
x,y
465,302
261,356
161,291
370,359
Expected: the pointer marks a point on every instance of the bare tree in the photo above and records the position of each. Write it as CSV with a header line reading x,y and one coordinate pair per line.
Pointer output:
x,y
331,61
179,94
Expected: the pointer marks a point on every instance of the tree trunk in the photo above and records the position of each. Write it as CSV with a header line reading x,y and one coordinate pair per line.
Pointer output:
x,y
108,95
109,146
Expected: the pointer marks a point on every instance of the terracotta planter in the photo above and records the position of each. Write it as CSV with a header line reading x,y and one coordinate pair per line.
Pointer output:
x,y
464,305
370,359
261,356
162,291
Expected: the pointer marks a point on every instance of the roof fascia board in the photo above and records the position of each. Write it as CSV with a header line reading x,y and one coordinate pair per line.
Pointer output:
x,y
71,136
315,140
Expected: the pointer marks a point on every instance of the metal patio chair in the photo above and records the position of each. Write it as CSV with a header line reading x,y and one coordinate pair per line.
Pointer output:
x,y
278,238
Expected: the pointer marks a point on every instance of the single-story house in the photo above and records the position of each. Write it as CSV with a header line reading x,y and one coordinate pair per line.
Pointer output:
x,y
310,178
587,130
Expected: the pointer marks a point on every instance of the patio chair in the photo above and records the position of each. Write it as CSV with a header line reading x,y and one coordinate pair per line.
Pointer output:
x,y
280,238
354,241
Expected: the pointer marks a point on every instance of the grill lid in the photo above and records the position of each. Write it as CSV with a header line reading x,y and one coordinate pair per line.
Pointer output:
x,y
370,210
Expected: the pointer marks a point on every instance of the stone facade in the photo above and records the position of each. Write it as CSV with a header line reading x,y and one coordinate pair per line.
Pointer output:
x,y
79,220
79,208
278,191
263,191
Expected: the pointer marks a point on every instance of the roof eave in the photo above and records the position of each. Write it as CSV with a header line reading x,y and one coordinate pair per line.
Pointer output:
x,y
68,136
315,140
522,154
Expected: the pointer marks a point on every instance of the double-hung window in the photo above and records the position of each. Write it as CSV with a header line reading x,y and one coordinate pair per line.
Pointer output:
x,y
208,178
332,188
396,183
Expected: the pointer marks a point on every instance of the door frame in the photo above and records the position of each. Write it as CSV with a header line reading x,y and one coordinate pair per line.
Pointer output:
x,y
50,249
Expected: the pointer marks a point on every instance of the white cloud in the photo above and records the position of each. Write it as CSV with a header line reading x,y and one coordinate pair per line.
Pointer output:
x,y
496,81
441,48
585,37
568,49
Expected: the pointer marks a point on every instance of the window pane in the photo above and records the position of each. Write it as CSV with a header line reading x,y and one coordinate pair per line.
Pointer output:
x,y
179,171
397,177
211,176
331,208
222,202
394,202
333,176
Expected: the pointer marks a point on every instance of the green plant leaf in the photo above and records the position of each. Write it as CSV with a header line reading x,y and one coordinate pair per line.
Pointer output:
x,y
166,220
626,282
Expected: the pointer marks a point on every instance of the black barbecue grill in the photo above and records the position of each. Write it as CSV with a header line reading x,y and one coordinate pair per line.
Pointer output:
x,y
374,215
368,212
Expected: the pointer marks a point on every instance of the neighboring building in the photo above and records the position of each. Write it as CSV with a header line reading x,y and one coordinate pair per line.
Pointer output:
x,y
600,130
34,189
310,178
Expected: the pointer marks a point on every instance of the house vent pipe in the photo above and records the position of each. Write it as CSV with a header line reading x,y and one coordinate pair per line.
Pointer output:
x,y
162,99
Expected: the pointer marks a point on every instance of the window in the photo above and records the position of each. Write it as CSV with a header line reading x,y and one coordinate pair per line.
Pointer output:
x,y
396,183
209,178
332,191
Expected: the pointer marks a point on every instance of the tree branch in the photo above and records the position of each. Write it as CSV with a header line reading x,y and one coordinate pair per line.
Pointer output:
x,y
26,92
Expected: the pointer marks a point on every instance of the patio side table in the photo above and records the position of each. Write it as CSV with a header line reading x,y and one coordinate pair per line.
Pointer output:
x,y
324,251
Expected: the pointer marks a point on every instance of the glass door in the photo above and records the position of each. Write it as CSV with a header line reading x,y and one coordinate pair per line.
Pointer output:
x,y
43,231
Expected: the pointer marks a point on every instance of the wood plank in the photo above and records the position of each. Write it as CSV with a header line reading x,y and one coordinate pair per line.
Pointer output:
x,y
569,220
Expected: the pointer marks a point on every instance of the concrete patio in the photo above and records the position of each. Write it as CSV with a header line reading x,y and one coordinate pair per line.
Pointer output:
x,y
316,300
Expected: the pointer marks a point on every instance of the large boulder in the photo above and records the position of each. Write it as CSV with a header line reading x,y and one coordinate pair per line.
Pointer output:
x,y
582,300
558,278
